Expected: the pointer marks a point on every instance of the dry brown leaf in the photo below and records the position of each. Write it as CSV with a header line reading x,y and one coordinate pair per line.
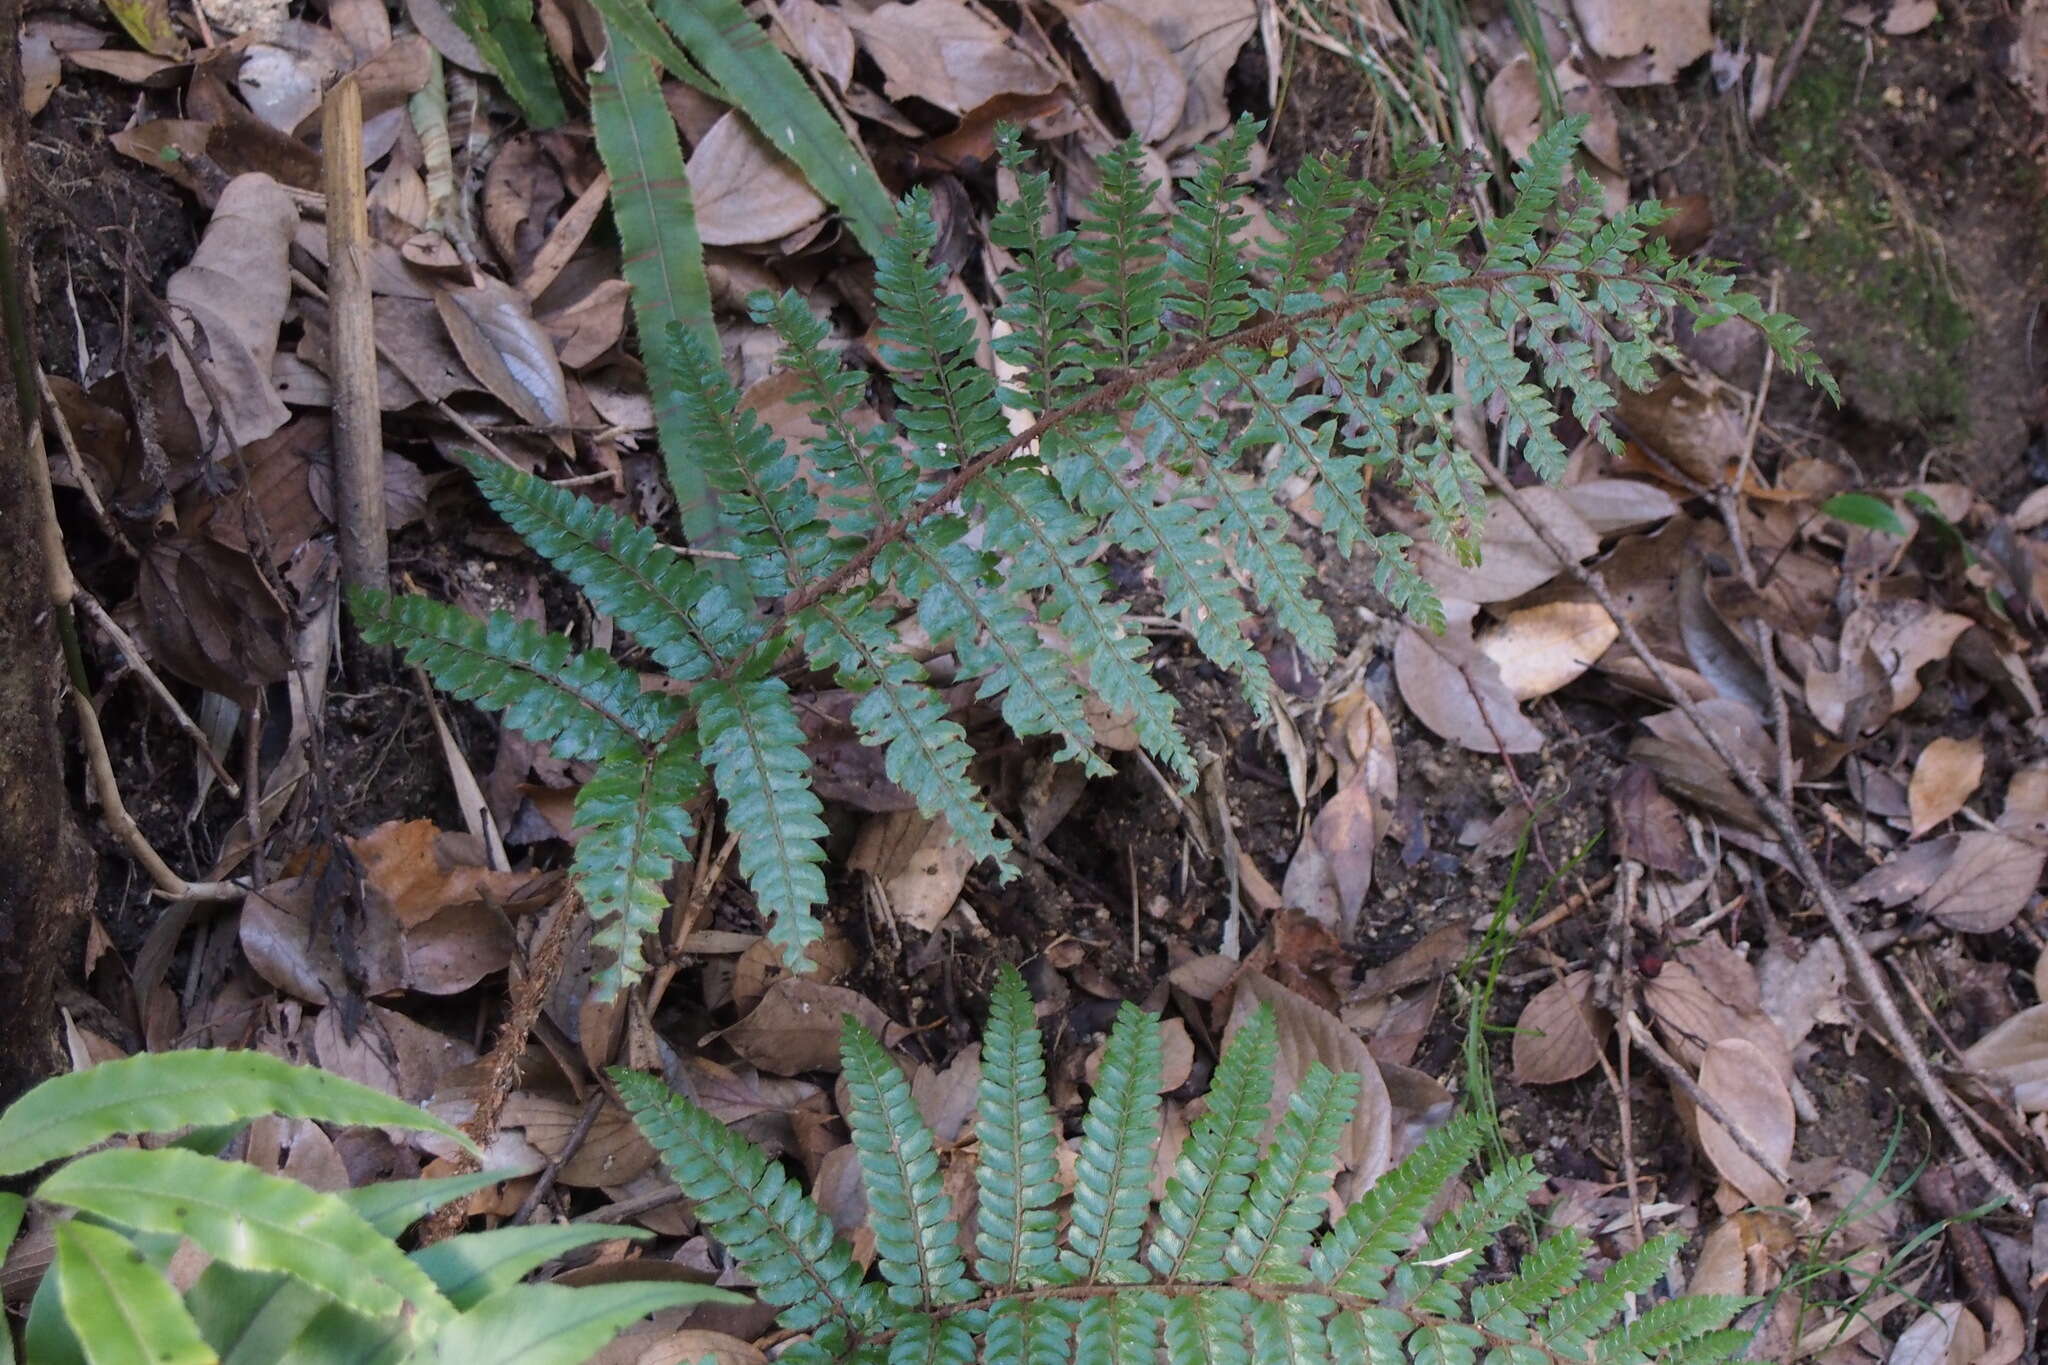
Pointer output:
x,y
796,1026
1204,37
1908,17
451,951
1800,992
745,191
1987,884
229,301
1610,506
1540,649
947,1099
946,54
1747,1084
211,618
2008,1334
1946,1334
278,937
1456,691
492,326
2015,1055
390,1052
1559,1036
1130,56
918,864
695,1346
1899,879
1648,826
822,38
1513,558
1335,858
1944,776
1648,41
2025,815
422,869
41,69
1694,428
613,1151
1308,1033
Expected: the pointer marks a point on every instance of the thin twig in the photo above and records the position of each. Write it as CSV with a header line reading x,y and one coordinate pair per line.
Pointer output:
x,y
577,1136
132,653
358,423
1869,976
1675,1072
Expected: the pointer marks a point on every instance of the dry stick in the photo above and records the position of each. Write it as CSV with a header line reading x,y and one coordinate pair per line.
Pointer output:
x,y
358,423
577,1136
500,1068
1869,977
132,652
1639,1034
62,426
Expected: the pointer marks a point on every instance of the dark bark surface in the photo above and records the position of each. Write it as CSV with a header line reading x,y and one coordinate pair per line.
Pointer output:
x,y
43,875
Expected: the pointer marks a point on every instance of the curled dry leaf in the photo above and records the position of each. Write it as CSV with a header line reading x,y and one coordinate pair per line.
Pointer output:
x,y
1540,649
230,302
286,935
1308,1033
1204,37
613,1151
1456,691
918,864
2015,1056
511,355
1987,884
796,1026
1899,879
210,617
1648,42
1513,558
1750,1090
1648,826
1332,870
1944,776
822,38
1946,1334
1560,1035
390,1052
1130,56
744,190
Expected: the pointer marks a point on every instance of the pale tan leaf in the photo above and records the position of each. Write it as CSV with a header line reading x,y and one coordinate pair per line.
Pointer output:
x,y
613,1151
1944,776
1332,870
1560,1035
694,1345
389,1052
2008,1334
745,191
1308,1033
1613,505
1540,649
1746,1082
1513,558
946,54
1456,691
1129,55
1651,41
1204,37
230,301
796,1026
1947,1334
2025,815
1990,881
1908,17
916,862
822,38
2015,1055
511,355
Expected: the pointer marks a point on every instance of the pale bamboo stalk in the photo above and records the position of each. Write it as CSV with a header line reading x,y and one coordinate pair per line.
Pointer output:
x,y
358,425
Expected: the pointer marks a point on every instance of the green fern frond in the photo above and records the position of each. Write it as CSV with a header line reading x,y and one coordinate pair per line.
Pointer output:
x,y
1206,1192
1121,251
1208,274
1584,1314
582,704
1286,1201
916,1243
949,402
1032,1332
1113,1169
636,822
754,747
1209,1327
1369,1239
1121,1329
1040,307
1017,1172
784,1241
687,621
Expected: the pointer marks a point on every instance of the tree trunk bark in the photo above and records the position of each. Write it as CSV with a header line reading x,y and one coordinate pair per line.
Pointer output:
x,y
43,871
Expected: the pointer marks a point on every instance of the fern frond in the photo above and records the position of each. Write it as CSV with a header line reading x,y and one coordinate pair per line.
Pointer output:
x,y
1585,1313
1450,1255
1017,1172
1321,199
949,402
1286,1200
634,812
1673,1326
916,1241
1356,1254
1113,1170
1032,1332
1120,1329
1369,1336
753,745
686,620
1209,1327
1208,274
1040,307
782,1239
932,1341
1292,1331
582,704
1551,1268
1121,252
924,751
1206,1192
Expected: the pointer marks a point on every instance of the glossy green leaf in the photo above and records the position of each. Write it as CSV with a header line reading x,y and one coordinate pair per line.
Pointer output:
x,y
122,1309
1866,510
392,1206
249,1219
509,40
547,1324
160,1092
475,1265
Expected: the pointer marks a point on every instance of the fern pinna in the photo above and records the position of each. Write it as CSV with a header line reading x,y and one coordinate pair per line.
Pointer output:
x,y
1237,1262
1163,384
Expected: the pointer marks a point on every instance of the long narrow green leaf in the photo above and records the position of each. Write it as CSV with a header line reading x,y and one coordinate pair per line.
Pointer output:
x,y
548,1324
250,1219
123,1310
508,39
392,1206
663,259
159,1092
472,1267
632,20
252,1317
736,52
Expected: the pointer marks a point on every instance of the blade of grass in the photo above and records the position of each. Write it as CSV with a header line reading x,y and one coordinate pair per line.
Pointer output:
x,y
736,53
